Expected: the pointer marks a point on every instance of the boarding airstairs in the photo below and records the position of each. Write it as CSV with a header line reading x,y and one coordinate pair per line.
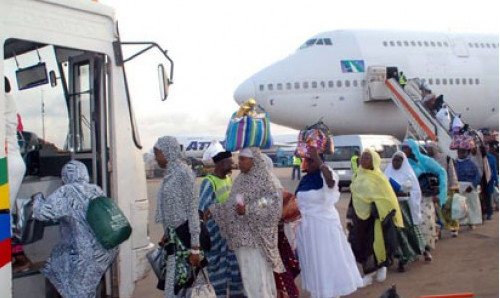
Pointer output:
x,y
425,125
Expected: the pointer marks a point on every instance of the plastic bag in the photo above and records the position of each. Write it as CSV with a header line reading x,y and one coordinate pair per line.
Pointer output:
x,y
459,209
28,229
108,222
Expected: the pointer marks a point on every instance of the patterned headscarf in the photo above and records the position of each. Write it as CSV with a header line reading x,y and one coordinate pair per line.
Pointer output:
x,y
176,176
74,172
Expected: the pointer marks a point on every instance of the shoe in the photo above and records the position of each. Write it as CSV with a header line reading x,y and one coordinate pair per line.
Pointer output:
x,y
22,264
401,267
489,217
381,274
367,280
454,234
427,256
471,227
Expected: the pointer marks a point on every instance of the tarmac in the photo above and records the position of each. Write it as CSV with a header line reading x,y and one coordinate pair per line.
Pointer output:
x,y
466,264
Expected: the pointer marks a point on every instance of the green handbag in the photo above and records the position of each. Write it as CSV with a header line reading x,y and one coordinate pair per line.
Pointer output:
x,y
108,222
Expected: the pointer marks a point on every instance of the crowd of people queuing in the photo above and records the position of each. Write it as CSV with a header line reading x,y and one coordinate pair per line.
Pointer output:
x,y
393,215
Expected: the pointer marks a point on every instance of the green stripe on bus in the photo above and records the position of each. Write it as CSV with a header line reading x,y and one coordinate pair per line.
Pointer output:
x,y
3,171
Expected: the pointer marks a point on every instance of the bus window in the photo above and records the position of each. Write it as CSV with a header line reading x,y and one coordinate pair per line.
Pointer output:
x,y
341,153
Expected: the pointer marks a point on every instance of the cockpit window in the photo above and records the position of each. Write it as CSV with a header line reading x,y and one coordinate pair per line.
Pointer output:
x,y
316,41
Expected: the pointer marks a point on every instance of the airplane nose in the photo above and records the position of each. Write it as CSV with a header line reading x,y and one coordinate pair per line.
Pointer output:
x,y
244,91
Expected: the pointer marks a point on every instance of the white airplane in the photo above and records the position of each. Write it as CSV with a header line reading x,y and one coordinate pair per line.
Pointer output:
x,y
326,78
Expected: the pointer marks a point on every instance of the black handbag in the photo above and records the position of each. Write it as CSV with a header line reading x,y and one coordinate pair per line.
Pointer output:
x,y
429,184
182,232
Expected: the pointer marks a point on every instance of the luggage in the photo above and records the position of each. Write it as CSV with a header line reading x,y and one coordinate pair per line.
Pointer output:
x,y
108,222
28,229
246,131
318,136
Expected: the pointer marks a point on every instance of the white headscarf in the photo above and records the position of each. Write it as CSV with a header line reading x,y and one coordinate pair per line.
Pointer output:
x,y
406,176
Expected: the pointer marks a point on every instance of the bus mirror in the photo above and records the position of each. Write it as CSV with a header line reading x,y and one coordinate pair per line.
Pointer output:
x,y
164,82
32,76
53,78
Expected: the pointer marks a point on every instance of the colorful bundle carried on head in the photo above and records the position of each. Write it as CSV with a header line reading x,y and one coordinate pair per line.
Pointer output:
x,y
247,128
318,136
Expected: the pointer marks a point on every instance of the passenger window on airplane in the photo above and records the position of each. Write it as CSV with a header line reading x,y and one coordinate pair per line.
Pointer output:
x,y
482,45
261,87
457,81
419,43
363,83
347,83
398,43
330,84
464,81
327,41
431,81
279,86
413,43
445,82
314,84
471,81
305,85
339,83
288,86
488,45
494,46
439,44
471,45
445,44
433,44
406,43
296,85
270,87
322,84
385,43
391,43
355,83
426,43
438,82
476,45
477,81
451,81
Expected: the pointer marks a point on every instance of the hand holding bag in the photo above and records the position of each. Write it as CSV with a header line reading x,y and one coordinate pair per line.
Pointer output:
x,y
459,209
205,290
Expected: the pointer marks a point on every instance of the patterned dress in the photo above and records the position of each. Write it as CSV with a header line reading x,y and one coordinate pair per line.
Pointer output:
x,y
77,263
223,269
176,205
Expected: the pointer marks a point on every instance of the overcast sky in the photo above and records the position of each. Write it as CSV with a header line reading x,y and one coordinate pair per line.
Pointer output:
x,y
216,45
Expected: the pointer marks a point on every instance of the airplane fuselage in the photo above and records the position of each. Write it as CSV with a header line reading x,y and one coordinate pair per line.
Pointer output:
x,y
326,79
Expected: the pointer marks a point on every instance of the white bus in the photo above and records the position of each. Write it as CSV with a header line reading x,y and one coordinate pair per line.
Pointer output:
x,y
64,61
346,145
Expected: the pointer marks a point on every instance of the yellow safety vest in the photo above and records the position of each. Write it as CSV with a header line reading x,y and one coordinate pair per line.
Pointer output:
x,y
402,80
354,163
296,161
221,187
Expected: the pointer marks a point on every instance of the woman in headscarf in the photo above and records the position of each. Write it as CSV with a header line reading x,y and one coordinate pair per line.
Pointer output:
x,y
407,189
449,165
469,178
327,262
177,204
285,282
376,215
249,222
77,263
422,164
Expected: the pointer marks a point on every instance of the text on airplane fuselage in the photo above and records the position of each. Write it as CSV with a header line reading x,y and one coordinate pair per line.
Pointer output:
x,y
196,146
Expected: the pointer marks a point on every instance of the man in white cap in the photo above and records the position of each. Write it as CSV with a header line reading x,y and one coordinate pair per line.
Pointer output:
x,y
223,269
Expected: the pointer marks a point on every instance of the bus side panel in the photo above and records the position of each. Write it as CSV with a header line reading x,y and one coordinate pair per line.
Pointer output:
x,y
5,246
